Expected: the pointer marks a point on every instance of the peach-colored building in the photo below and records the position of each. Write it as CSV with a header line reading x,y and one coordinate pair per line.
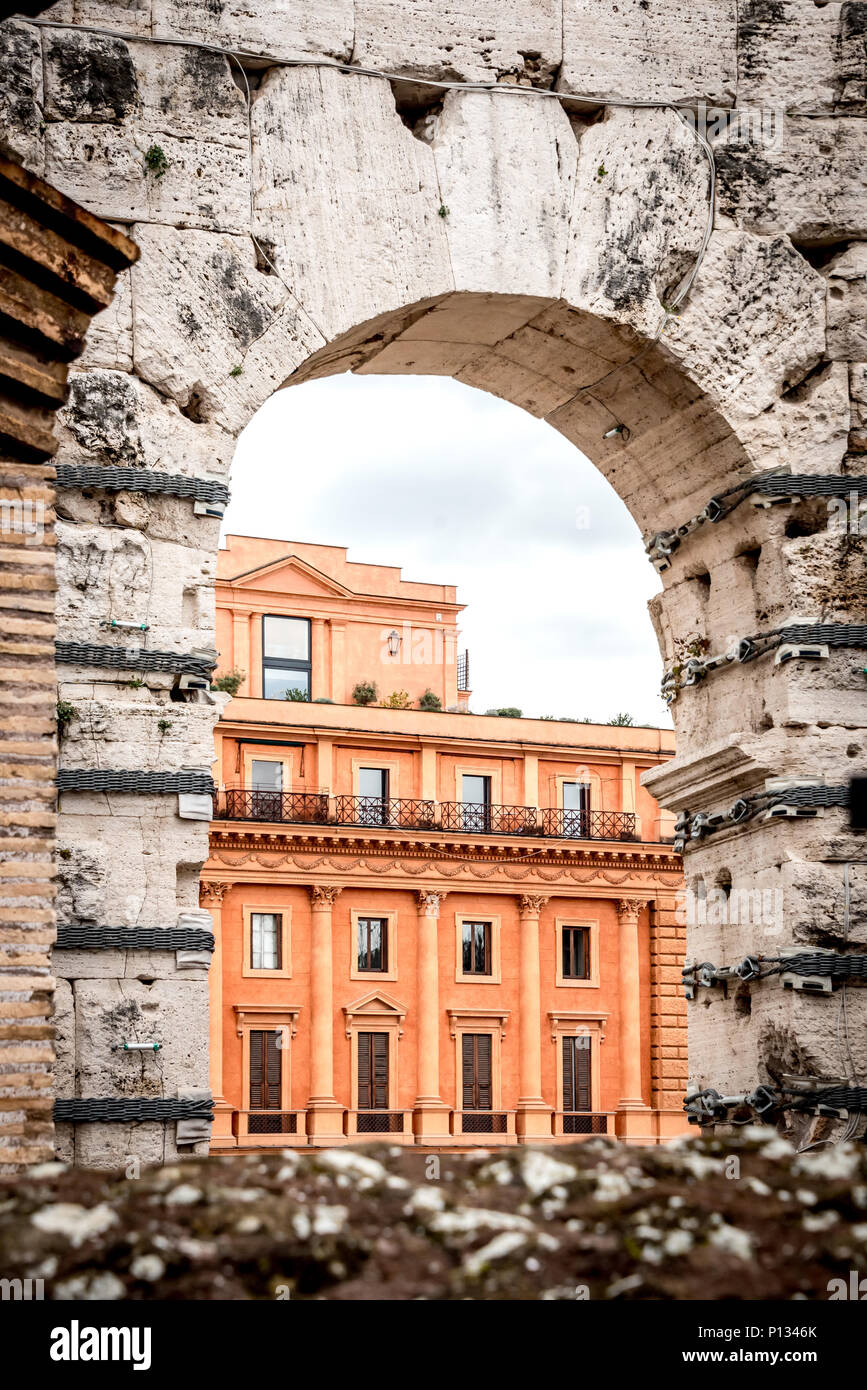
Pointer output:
x,y
449,928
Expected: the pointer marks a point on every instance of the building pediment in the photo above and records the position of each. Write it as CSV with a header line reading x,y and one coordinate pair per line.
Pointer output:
x,y
290,575
376,1009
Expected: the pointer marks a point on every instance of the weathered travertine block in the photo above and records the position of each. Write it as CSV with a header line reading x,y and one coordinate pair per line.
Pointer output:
x,y
801,57
807,428
330,153
112,105
127,16
123,574
211,330
858,407
278,28
506,159
765,189
111,1012
639,215
112,417
141,834
21,94
140,735
847,304
459,40
109,338
754,323
655,50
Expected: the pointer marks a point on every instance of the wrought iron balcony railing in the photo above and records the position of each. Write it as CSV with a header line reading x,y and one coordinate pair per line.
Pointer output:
x,y
489,820
306,808
403,813
395,813
589,825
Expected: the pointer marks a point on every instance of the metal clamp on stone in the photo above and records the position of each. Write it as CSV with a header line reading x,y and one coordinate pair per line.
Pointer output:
x,y
193,787
194,669
831,1097
708,1107
767,490
208,496
75,938
818,971
794,641
779,800
131,1110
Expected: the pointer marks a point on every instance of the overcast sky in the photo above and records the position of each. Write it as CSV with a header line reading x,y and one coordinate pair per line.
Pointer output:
x,y
457,487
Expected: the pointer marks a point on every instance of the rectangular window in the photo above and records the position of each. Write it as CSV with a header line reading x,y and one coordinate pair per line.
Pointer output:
x,y
373,796
267,775
265,935
576,1074
576,809
476,947
266,1070
476,799
476,1070
285,656
576,953
373,1071
372,943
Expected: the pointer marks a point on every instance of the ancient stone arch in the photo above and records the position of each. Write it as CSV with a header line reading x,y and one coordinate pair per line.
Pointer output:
x,y
533,240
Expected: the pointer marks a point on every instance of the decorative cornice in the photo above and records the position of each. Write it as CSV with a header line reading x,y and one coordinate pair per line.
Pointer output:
x,y
482,1016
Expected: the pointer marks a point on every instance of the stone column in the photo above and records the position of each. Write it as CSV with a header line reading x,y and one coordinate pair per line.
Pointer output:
x,y
324,1115
533,1119
633,1116
241,650
431,1117
319,676
211,899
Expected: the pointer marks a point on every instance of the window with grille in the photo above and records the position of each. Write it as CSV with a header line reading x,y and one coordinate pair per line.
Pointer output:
x,y
266,1069
373,943
476,1077
576,953
266,930
285,656
373,1071
576,1074
476,948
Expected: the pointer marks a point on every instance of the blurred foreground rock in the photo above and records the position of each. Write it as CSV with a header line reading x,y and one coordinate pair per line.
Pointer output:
x,y
701,1219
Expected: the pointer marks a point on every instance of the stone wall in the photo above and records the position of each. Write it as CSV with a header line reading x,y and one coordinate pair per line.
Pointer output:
x,y
529,241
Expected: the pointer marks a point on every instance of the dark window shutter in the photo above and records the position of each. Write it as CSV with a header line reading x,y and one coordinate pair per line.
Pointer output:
x,y
373,1071
483,1054
468,1077
576,1074
266,1070
380,1071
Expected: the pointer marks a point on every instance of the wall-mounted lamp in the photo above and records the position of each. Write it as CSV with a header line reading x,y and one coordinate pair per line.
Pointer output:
x,y
621,430
393,643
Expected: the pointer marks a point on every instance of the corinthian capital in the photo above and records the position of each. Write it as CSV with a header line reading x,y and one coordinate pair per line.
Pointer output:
x,y
629,909
212,893
324,894
429,901
532,903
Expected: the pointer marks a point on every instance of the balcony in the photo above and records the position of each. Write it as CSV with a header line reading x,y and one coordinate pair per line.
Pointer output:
x,y
302,808
402,813
588,825
394,813
489,820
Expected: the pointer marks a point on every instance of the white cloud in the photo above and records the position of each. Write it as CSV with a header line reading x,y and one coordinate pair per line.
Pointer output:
x,y
457,487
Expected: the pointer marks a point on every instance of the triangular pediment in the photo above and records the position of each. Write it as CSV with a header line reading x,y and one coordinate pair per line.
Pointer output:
x,y
290,575
376,1002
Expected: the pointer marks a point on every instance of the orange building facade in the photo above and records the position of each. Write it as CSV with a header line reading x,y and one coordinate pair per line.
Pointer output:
x,y
447,928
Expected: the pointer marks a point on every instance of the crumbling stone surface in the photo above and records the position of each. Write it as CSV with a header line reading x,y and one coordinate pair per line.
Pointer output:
x,y
529,242
744,1219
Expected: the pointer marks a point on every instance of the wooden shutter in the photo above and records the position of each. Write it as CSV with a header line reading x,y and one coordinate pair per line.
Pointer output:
x,y
476,1071
266,1070
373,1071
576,1074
